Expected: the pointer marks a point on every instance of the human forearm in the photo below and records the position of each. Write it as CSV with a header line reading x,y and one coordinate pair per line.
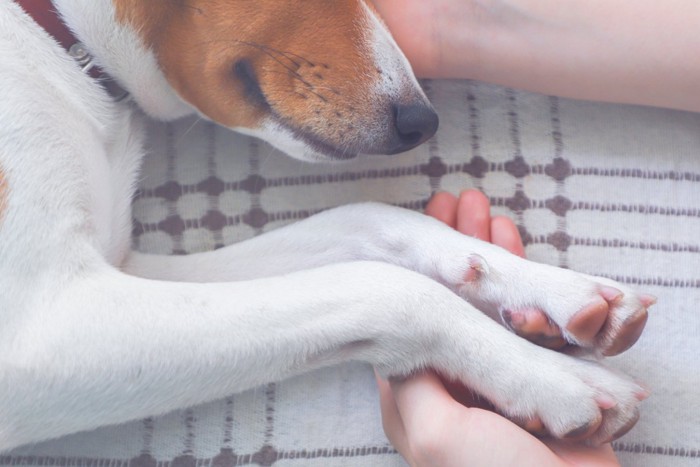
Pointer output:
x,y
642,52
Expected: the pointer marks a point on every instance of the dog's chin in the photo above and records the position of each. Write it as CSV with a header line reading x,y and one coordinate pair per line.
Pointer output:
x,y
315,149
312,154
299,144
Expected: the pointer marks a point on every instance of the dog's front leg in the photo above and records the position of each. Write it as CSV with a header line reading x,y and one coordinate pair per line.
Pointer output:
x,y
359,232
110,348
594,313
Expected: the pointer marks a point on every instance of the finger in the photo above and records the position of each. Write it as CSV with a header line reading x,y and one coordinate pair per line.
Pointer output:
x,y
422,393
474,215
391,419
436,426
443,207
505,234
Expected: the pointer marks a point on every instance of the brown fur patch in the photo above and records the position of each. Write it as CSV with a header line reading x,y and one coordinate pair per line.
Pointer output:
x,y
305,62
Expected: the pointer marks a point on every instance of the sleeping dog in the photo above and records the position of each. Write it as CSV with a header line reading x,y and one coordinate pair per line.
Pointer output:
x,y
93,333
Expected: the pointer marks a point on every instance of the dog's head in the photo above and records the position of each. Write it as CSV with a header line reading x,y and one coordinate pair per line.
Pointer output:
x,y
318,79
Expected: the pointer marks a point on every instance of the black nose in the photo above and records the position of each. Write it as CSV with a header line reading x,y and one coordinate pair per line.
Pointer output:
x,y
415,124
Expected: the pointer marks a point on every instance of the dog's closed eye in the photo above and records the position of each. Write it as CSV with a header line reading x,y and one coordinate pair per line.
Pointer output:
x,y
243,70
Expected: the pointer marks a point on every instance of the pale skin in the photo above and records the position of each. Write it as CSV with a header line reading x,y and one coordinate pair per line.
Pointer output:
x,y
436,424
640,52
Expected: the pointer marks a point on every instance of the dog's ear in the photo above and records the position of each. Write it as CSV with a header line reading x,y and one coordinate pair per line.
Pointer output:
x,y
317,79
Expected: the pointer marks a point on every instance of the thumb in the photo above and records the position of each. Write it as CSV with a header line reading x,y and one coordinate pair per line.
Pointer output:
x,y
443,432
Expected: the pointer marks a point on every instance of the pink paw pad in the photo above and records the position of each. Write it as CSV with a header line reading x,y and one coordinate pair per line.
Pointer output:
x,y
628,334
591,326
533,325
627,427
587,323
585,431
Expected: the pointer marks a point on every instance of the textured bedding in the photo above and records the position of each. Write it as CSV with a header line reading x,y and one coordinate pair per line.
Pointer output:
x,y
603,189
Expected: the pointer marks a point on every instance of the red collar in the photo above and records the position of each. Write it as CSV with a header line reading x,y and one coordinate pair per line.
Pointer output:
x,y
45,15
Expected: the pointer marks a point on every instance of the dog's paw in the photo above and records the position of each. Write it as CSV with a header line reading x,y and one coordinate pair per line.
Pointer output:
x,y
576,400
611,322
556,308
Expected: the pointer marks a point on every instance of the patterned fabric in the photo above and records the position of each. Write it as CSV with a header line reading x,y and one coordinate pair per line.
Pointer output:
x,y
604,189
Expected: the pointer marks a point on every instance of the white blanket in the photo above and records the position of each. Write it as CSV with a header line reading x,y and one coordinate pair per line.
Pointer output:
x,y
604,189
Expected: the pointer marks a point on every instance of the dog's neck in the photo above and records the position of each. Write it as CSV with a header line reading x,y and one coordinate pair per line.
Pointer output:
x,y
44,14
118,51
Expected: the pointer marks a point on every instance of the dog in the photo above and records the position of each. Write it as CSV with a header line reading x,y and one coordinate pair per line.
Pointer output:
x,y
93,333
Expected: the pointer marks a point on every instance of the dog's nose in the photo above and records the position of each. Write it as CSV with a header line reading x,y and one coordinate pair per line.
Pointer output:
x,y
415,124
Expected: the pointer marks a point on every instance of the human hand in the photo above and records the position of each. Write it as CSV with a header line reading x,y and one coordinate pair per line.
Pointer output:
x,y
436,424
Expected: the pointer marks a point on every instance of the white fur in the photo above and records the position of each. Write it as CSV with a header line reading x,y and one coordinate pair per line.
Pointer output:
x,y
120,52
283,139
93,335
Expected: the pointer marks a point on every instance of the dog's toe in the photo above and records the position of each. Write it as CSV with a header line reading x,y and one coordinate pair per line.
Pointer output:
x,y
585,431
610,323
628,333
626,427
587,323
534,325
